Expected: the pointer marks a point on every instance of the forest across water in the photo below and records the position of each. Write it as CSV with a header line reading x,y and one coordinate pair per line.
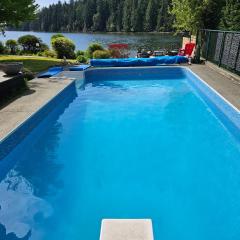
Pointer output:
x,y
136,16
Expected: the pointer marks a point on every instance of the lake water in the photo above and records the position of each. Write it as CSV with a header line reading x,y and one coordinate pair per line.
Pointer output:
x,y
135,40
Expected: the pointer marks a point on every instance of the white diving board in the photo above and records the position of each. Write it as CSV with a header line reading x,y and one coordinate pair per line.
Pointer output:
x,y
126,229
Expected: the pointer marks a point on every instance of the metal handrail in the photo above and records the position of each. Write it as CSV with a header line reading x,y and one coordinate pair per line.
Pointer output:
x,y
223,31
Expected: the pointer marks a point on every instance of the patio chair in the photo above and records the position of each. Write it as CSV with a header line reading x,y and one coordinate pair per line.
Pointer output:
x,y
188,50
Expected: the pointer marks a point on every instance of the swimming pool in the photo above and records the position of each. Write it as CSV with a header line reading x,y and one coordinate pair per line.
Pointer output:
x,y
128,143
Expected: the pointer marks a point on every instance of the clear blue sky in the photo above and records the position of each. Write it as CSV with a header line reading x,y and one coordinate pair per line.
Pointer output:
x,y
43,3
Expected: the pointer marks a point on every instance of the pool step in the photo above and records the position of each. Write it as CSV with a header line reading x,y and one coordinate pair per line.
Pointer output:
x,y
126,229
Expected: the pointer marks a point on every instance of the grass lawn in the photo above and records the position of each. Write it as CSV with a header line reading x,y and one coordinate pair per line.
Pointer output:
x,y
34,64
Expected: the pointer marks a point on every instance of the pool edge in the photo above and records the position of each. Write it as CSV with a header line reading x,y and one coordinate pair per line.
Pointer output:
x,y
224,109
18,133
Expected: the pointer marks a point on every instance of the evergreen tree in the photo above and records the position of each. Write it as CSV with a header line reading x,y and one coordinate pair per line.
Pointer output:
x,y
212,13
99,18
151,16
102,15
112,19
164,19
88,12
119,14
79,22
127,15
14,12
231,15
138,15
135,15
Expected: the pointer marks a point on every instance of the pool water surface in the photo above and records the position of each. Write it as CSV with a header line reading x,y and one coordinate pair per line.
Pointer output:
x,y
132,148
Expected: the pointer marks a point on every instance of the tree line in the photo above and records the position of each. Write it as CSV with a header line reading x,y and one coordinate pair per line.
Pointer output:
x,y
136,16
104,15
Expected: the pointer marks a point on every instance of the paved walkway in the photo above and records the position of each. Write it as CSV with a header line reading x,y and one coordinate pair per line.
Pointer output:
x,y
39,93
228,87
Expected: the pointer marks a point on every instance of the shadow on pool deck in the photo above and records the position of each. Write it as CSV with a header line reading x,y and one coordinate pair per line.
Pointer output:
x,y
39,93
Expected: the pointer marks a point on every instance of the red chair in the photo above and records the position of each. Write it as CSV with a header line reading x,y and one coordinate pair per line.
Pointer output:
x,y
119,50
188,50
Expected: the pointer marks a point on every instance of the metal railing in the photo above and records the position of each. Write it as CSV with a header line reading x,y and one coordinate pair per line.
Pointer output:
x,y
221,48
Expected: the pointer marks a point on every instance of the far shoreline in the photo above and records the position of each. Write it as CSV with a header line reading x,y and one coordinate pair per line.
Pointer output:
x,y
91,32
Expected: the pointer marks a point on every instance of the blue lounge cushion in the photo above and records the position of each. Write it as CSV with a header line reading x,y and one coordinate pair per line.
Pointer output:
x,y
50,72
133,62
79,67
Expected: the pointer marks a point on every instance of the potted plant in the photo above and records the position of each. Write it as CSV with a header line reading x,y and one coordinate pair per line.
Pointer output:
x,y
11,68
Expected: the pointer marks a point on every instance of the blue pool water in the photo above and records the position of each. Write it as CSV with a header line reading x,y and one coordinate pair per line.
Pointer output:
x,y
148,148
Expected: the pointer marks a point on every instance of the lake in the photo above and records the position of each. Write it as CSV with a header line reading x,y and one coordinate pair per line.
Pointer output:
x,y
152,41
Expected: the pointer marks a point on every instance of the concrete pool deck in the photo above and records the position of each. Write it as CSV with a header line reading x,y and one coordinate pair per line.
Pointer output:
x,y
224,82
43,90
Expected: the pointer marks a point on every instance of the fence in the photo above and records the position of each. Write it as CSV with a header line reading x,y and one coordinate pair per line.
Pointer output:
x,y
221,48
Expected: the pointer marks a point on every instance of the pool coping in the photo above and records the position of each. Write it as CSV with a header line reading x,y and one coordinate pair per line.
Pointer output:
x,y
227,113
222,82
214,90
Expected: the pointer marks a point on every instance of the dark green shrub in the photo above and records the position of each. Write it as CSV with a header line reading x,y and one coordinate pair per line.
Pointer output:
x,y
80,53
92,48
1,48
23,52
49,53
40,54
30,43
64,47
43,47
56,36
27,53
12,46
82,59
101,54
27,74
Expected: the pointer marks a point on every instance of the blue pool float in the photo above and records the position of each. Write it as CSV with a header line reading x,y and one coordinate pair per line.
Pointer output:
x,y
79,67
134,62
50,72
